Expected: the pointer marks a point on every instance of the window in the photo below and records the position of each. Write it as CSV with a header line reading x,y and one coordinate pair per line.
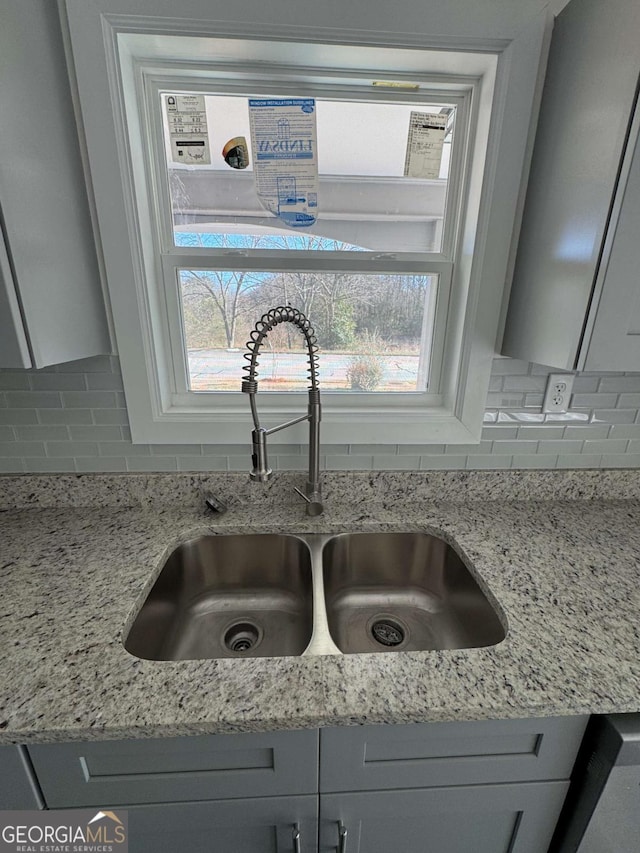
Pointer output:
x,y
391,232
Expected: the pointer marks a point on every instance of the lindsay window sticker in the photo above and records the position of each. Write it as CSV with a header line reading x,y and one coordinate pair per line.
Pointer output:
x,y
187,122
424,145
285,157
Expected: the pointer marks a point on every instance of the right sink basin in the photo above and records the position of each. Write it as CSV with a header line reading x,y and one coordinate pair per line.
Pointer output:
x,y
387,592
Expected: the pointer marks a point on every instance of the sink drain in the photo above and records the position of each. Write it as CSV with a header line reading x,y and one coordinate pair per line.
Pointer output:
x,y
242,637
388,632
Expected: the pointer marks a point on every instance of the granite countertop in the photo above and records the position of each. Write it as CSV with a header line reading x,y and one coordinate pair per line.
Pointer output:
x,y
79,555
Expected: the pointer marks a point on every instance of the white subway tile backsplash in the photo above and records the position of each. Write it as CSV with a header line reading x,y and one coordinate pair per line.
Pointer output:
x,y
536,433
73,417
524,383
118,448
58,381
176,449
202,463
72,448
89,399
534,461
33,400
19,416
583,431
629,401
155,463
624,431
22,448
10,381
42,432
591,401
488,462
344,463
12,466
582,460
101,464
628,382
60,465
607,445
111,416
614,416
562,446
438,463
104,382
393,462
65,416
95,433
622,460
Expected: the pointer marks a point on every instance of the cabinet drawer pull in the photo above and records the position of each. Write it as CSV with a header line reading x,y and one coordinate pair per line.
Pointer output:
x,y
297,844
342,837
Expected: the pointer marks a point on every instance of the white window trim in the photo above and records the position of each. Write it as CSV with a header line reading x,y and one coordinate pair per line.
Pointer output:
x,y
105,49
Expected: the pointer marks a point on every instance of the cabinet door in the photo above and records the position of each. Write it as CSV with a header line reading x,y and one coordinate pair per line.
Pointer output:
x,y
264,825
466,819
46,219
615,339
18,788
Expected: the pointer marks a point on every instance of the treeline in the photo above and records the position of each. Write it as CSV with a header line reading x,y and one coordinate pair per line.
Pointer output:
x,y
348,311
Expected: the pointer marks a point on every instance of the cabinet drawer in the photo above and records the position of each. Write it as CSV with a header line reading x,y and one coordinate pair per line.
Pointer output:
x,y
18,790
177,769
371,758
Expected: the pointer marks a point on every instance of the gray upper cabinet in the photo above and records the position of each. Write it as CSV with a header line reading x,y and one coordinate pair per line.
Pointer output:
x,y
51,302
574,300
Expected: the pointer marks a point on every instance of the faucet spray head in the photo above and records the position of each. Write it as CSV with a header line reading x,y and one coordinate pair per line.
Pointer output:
x,y
261,472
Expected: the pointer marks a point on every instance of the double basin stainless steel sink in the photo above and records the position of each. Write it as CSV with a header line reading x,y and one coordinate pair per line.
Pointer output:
x,y
268,595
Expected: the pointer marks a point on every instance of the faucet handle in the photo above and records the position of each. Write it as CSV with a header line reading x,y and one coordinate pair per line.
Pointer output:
x,y
314,506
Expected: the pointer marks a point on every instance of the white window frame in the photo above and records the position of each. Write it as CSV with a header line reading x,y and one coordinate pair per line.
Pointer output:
x,y
502,80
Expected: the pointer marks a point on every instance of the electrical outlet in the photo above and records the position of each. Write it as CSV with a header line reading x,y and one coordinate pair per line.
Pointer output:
x,y
558,393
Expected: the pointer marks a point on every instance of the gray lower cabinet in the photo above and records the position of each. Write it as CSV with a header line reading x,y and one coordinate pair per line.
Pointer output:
x,y
469,787
475,819
265,825
18,786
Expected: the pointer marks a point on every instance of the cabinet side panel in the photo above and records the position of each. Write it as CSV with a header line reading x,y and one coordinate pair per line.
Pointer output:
x,y
46,212
14,349
584,117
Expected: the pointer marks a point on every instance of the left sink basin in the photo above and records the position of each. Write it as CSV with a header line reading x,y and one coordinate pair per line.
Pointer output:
x,y
228,596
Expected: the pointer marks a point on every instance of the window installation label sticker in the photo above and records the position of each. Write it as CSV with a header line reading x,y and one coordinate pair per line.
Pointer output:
x,y
285,157
64,831
189,135
424,145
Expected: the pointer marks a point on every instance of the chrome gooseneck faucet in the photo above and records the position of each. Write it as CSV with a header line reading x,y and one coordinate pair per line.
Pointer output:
x,y
261,471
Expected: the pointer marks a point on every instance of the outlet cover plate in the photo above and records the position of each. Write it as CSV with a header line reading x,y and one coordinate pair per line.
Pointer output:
x,y
558,394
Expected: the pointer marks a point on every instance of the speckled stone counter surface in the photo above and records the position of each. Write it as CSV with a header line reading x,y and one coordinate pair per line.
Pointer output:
x,y
79,554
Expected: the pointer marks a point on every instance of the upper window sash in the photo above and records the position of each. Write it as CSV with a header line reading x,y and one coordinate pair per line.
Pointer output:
x,y
151,84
